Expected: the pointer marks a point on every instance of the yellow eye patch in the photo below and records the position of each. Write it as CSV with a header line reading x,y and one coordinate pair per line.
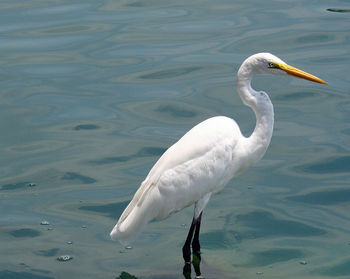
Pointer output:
x,y
273,65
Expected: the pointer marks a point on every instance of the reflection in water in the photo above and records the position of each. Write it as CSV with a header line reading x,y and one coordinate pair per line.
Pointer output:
x,y
196,261
186,271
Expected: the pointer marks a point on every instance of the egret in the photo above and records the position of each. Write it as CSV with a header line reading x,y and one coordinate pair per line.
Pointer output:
x,y
205,159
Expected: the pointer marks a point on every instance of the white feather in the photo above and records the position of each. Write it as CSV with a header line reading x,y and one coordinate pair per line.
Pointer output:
x,y
204,159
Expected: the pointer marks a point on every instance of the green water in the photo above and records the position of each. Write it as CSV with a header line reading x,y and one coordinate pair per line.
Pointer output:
x,y
93,92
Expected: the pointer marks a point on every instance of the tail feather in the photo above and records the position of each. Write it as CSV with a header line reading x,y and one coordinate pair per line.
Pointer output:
x,y
130,225
127,230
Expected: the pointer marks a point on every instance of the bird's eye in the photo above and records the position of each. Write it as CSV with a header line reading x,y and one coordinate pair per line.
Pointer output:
x,y
272,65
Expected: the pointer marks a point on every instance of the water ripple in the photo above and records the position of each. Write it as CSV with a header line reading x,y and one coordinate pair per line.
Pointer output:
x,y
39,43
93,92
76,176
338,10
25,233
22,274
112,210
326,197
326,166
265,224
273,256
173,73
47,253
335,270
59,9
143,152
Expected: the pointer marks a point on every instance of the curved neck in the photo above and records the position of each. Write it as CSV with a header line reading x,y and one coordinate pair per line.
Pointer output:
x,y
260,103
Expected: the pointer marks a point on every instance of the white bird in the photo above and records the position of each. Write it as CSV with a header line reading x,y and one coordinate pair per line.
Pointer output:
x,y
205,159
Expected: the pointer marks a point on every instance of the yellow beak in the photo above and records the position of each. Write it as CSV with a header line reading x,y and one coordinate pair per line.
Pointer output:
x,y
299,73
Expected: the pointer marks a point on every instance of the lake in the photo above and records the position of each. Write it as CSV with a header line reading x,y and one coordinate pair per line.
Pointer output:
x,y
93,92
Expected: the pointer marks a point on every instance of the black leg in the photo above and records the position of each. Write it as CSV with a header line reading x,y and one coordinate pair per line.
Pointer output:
x,y
186,249
195,243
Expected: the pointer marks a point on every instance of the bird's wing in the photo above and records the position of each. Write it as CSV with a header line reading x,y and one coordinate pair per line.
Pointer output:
x,y
195,143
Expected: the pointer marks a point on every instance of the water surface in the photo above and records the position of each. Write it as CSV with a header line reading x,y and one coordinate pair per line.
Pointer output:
x,y
93,92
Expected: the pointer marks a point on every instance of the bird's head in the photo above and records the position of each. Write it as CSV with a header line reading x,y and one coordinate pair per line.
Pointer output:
x,y
267,63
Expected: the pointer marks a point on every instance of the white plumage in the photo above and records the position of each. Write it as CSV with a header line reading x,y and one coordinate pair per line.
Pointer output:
x,y
206,157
